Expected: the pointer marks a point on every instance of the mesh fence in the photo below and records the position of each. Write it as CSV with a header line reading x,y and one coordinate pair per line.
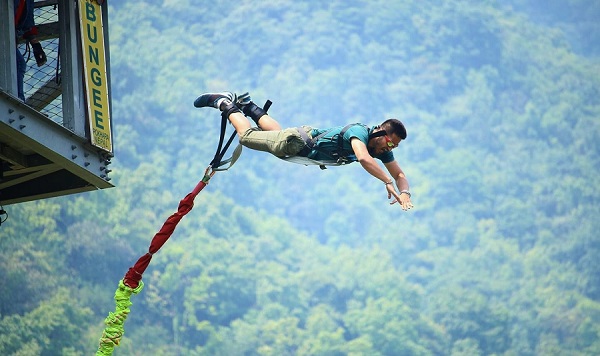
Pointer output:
x,y
42,84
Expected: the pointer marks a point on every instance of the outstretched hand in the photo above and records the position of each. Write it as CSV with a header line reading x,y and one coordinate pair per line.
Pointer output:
x,y
403,199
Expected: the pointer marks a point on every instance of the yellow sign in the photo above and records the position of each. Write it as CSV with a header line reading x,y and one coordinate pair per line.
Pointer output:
x,y
96,76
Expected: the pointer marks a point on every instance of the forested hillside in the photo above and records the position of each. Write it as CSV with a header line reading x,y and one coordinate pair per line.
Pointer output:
x,y
500,255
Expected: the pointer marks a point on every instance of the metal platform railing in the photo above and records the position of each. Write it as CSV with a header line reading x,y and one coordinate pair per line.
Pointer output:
x,y
42,85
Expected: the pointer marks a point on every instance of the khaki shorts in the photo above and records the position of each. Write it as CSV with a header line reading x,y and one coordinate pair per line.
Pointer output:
x,y
282,143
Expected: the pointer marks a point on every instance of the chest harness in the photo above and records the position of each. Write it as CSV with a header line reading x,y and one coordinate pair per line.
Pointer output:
x,y
338,156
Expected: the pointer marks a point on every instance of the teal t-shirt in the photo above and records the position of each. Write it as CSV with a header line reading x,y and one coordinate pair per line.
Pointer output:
x,y
327,145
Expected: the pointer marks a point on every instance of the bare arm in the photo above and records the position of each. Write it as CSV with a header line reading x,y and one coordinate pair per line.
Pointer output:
x,y
402,184
366,161
373,168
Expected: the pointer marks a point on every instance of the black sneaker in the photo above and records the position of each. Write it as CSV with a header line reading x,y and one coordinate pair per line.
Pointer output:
x,y
243,100
214,99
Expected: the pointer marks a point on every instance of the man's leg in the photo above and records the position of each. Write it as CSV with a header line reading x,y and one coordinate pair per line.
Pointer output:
x,y
267,137
263,120
267,123
228,102
278,142
241,123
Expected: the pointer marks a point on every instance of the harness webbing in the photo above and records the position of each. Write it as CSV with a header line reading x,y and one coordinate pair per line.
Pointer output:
x,y
340,153
339,157
217,159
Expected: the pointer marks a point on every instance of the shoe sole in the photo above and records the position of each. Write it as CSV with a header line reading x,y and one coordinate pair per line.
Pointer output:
x,y
209,99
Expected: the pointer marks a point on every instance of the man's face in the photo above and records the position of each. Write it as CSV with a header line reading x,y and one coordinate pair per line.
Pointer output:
x,y
381,144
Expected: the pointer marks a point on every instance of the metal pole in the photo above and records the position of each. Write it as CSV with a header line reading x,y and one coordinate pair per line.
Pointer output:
x,y
8,59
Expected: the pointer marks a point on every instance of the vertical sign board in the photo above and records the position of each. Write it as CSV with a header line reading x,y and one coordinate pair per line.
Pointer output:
x,y
95,76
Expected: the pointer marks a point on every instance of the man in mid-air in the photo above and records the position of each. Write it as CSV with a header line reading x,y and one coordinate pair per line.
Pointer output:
x,y
340,145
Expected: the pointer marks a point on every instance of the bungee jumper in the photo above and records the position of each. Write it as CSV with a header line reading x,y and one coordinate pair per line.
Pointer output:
x,y
324,147
305,145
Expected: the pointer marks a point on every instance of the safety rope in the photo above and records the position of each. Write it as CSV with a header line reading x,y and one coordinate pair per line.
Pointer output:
x,y
112,334
132,281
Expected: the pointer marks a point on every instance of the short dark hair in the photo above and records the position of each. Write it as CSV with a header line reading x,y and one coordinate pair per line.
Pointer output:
x,y
394,126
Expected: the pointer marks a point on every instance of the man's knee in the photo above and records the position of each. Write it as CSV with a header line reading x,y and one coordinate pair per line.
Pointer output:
x,y
279,143
292,143
251,138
